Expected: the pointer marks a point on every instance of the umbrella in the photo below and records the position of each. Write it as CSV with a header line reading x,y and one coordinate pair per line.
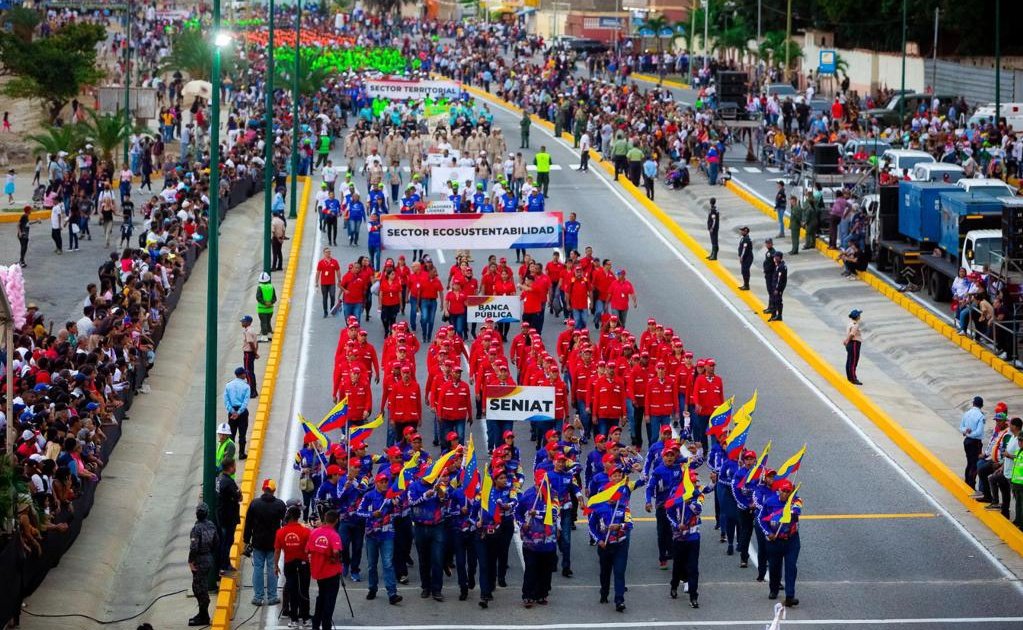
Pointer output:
x,y
202,89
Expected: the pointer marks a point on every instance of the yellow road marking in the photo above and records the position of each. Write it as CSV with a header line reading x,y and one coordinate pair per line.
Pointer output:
x,y
832,517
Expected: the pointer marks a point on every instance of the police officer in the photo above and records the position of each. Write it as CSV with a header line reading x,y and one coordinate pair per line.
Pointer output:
x,y
797,213
524,124
713,224
202,546
266,297
769,268
745,256
781,278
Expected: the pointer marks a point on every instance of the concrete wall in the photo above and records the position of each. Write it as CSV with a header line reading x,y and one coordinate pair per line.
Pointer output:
x,y
867,69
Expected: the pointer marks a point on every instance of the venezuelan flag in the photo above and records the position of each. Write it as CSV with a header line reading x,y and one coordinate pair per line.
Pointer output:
x,y
438,466
791,465
610,493
360,432
470,471
487,498
736,440
684,491
409,466
336,417
309,428
719,420
786,512
748,479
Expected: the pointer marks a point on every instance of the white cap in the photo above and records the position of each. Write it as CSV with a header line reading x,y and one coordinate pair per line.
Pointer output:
x,y
264,277
224,429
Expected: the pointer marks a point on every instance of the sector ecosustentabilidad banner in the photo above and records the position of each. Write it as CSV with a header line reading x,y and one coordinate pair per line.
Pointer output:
x,y
498,230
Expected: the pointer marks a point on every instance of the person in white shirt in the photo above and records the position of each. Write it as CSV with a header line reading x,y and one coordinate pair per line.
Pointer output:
x,y
329,174
57,223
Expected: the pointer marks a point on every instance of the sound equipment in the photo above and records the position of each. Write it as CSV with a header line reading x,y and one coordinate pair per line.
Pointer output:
x,y
1012,230
731,86
888,212
825,159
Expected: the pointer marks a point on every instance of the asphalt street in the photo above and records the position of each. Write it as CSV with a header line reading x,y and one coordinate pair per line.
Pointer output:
x,y
874,547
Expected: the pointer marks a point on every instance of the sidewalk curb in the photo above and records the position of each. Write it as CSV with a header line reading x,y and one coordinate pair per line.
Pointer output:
x,y
649,78
978,350
228,593
13,217
899,435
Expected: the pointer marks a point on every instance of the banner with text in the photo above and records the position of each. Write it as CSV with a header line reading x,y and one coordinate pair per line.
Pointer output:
x,y
397,90
436,158
529,404
501,308
501,230
441,175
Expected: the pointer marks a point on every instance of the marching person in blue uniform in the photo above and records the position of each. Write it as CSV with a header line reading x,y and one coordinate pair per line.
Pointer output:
x,y
610,525
761,490
461,518
535,202
377,509
684,517
779,520
309,463
562,480
662,483
539,520
571,228
491,535
427,502
351,527
726,507
742,491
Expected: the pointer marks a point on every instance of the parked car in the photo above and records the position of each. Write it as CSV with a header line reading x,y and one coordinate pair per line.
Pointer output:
x,y
905,159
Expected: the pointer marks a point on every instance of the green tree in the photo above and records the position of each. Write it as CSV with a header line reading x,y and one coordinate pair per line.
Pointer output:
x,y
772,49
310,76
53,139
736,37
106,132
53,69
22,22
192,54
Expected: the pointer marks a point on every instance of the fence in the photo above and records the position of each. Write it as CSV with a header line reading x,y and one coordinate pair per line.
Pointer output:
x,y
23,574
975,84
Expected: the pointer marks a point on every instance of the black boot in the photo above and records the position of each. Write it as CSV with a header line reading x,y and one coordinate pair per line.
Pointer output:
x,y
201,619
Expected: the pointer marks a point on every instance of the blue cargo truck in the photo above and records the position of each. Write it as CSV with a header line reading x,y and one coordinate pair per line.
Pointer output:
x,y
924,232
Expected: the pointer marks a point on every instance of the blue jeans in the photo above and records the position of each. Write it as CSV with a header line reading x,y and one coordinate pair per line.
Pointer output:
x,y
352,535
712,173
565,539
604,425
579,315
781,221
699,428
353,231
598,309
783,552
464,547
614,558
459,322
963,317
653,428
352,310
384,550
413,304
428,312
374,256
584,416
430,548
727,511
264,579
496,429
458,426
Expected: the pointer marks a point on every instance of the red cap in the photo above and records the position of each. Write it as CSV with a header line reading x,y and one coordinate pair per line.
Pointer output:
x,y
688,355
711,363
644,355
508,434
701,363
406,369
393,451
416,436
567,427
354,462
782,485
665,428
1001,407
661,365
409,430
551,433
269,484
551,445
559,457
748,454
614,429
309,438
451,436
651,321
380,477
599,439
333,469
608,458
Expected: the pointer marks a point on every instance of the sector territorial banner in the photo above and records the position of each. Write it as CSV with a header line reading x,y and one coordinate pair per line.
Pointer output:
x,y
501,308
441,175
500,230
397,90
529,404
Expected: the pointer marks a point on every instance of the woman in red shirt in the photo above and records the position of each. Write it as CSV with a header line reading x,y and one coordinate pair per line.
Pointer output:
x,y
505,285
455,308
390,297
429,290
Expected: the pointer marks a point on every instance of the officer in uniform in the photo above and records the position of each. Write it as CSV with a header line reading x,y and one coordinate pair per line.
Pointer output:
x,y
202,547
543,171
769,269
266,297
745,256
524,125
781,278
713,224
797,213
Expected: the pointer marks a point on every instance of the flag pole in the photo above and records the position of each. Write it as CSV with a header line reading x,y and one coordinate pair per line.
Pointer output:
x,y
613,512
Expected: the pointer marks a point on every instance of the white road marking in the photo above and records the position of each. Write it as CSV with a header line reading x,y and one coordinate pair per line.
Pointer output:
x,y
691,623
772,169
554,167
751,169
717,292
440,257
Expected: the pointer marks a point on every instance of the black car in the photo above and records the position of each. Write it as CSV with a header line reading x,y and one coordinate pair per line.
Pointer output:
x,y
582,45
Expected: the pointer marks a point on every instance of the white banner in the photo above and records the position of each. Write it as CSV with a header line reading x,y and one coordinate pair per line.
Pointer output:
x,y
501,308
397,90
441,175
500,230
440,207
437,158
530,404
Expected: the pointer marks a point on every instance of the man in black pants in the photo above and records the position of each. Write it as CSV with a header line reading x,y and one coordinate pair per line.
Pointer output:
x,y
713,225
745,256
781,277
853,340
769,270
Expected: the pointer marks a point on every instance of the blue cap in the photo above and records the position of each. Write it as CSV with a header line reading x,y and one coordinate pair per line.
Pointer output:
x,y
41,387
246,319
92,406
855,313
239,371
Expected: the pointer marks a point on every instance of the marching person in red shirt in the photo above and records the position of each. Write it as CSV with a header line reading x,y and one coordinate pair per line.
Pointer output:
x,y
581,373
661,400
708,392
637,375
360,396
533,298
390,297
496,428
455,307
607,401
556,272
404,405
578,291
454,404
622,293
329,272
354,288
290,541
602,279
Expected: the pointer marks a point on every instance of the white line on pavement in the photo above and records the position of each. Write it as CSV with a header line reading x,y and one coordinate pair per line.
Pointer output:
x,y
773,169
751,169
717,292
690,623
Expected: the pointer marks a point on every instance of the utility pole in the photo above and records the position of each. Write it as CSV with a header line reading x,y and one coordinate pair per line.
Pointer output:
x,y
760,21
706,33
268,134
902,96
293,211
7,321
788,42
209,465
934,53
127,72
998,61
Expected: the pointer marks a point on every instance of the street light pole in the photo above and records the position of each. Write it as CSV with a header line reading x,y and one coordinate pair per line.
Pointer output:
x,y
788,41
209,468
902,96
268,135
706,32
127,71
998,61
293,210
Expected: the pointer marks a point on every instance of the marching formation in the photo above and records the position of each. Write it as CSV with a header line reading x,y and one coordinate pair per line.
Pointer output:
x,y
461,508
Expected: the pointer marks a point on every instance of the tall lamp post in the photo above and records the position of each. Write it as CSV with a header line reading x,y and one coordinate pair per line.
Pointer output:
x,y
209,468
902,95
293,210
268,166
129,13
998,62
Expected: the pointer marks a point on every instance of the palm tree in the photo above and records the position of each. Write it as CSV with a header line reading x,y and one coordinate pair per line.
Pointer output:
x,y
772,49
658,24
106,132
311,76
68,138
736,37
191,53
